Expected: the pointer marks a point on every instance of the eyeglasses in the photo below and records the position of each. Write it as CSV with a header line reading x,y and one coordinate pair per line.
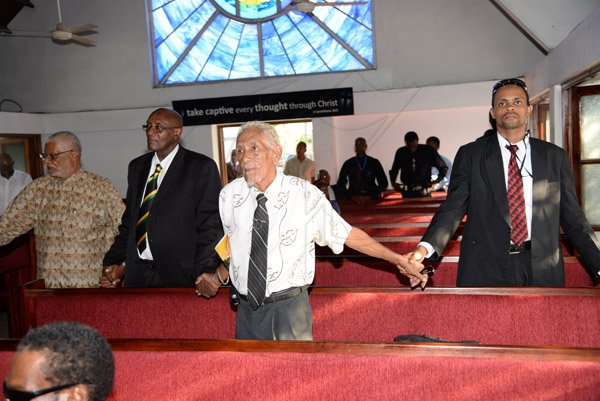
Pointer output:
x,y
157,128
52,156
506,82
16,395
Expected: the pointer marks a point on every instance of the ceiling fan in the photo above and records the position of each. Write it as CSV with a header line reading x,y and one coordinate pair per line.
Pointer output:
x,y
63,34
306,6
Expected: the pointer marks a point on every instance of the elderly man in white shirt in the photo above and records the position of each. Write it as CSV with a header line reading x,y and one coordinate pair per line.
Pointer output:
x,y
297,215
12,181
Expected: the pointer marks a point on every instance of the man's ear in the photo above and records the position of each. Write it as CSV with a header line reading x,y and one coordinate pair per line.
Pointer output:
x,y
492,113
278,152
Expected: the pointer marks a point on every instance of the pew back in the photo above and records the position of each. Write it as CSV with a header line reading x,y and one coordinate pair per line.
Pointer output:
x,y
510,316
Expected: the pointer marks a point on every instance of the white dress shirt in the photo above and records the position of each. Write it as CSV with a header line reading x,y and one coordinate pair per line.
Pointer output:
x,y
299,217
164,164
10,188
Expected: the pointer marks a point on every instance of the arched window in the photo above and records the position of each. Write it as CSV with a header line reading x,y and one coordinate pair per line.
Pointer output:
x,y
197,41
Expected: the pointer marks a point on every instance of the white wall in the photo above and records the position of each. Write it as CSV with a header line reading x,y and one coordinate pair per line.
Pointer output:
x,y
110,139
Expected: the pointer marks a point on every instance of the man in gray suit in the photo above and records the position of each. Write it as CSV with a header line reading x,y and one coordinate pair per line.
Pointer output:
x,y
498,248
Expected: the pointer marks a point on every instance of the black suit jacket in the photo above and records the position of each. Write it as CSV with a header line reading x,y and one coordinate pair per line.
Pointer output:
x,y
478,189
184,223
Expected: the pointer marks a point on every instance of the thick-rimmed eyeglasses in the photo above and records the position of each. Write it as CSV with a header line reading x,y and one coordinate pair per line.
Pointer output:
x,y
52,156
157,128
16,395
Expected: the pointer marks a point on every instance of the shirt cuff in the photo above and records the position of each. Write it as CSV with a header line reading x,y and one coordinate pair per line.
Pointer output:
x,y
430,250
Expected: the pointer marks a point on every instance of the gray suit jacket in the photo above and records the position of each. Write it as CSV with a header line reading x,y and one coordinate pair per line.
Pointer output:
x,y
478,190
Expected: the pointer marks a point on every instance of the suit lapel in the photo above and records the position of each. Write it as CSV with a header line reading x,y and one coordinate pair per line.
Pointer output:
x,y
173,175
142,173
495,173
540,176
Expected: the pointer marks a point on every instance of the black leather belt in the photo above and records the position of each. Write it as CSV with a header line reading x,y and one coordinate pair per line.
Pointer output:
x,y
146,262
278,296
515,249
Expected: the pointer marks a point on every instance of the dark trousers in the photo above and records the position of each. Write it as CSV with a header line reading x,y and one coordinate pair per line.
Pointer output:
x,y
288,319
145,275
521,264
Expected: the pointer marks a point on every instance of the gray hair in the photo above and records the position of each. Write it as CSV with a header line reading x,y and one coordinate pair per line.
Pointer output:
x,y
267,129
68,137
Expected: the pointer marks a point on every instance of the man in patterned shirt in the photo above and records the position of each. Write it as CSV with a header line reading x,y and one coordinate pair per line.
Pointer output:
x,y
74,214
299,216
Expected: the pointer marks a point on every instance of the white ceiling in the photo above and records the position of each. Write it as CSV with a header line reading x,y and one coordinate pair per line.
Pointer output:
x,y
547,22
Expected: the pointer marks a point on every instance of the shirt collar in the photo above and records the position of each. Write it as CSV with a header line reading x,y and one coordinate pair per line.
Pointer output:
x,y
272,190
166,162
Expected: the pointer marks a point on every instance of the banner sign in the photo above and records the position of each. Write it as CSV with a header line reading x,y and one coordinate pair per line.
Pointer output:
x,y
273,106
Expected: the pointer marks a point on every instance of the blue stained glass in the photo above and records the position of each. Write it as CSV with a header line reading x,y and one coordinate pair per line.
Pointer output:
x,y
292,43
244,65
227,5
162,27
351,32
332,52
274,55
158,3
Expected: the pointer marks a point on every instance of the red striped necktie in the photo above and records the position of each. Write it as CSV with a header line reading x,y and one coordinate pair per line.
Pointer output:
x,y
516,199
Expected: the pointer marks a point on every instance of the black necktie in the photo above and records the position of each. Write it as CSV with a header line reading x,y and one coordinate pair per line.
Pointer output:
x,y
257,266
144,212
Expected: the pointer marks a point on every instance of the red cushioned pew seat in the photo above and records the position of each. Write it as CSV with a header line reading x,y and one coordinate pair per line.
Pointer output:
x,y
292,371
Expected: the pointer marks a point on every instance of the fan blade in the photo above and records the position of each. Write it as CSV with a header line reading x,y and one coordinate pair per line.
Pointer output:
x,y
83,41
81,28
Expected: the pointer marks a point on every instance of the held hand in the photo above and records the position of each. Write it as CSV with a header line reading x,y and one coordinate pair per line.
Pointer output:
x,y
411,267
112,276
207,285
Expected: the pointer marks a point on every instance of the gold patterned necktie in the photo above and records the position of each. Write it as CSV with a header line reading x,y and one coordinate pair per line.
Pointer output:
x,y
141,232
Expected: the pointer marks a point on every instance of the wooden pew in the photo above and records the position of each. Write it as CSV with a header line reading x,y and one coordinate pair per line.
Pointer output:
x,y
183,370
565,317
18,265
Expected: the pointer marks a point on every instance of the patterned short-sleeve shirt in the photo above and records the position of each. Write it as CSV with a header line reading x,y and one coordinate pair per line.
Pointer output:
x,y
299,217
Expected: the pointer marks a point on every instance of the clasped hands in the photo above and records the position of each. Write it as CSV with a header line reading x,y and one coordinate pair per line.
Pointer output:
x,y
411,266
207,284
112,276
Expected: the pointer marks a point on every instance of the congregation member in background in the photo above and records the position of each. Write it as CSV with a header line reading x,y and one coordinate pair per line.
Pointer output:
x,y
171,223
517,193
442,185
415,162
74,215
66,360
322,182
273,222
300,166
12,181
233,167
361,177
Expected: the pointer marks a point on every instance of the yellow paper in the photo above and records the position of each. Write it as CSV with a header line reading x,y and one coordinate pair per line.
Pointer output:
x,y
223,251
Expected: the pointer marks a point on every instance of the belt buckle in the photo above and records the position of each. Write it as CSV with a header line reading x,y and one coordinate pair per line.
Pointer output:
x,y
514,249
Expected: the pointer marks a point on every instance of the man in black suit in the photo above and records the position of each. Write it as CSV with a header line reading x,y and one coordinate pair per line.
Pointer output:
x,y
497,249
168,232
361,177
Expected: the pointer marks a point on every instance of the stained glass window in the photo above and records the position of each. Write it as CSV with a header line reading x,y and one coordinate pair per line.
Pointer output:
x,y
198,41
